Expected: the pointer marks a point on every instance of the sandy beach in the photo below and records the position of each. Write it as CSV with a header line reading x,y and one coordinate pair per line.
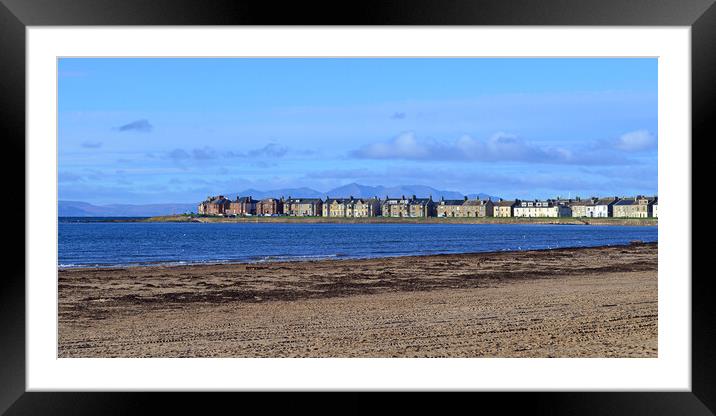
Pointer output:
x,y
586,302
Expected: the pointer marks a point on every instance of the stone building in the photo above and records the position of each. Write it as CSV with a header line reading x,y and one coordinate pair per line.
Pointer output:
x,y
464,208
655,209
639,207
449,208
269,206
214,205
242,206
408,207
505,209
351,207
303,207
478,207
579,206
537,209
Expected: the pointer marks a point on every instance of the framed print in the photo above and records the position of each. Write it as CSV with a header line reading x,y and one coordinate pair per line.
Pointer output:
x,y
250,199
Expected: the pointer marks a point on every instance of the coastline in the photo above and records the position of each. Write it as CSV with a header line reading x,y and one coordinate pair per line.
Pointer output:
x,y
395,220
574,302
332,258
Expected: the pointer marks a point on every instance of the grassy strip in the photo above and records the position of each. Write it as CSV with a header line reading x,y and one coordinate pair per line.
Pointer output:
x,y
429,220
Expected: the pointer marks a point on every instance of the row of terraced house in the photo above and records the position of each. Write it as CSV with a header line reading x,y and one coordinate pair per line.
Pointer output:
x,y
413,207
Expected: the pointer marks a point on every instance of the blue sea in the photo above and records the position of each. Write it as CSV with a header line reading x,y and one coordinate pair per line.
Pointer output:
x,y
89,244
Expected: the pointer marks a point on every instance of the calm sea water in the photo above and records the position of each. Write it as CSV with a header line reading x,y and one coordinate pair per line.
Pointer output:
x,y
85,244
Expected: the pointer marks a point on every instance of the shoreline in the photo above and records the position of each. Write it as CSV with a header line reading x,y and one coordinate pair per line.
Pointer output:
x,y
378,220
574,302
333,258
395,220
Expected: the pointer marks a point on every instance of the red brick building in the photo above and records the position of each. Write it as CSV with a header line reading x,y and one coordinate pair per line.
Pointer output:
x,y
270,206
242,206
214,205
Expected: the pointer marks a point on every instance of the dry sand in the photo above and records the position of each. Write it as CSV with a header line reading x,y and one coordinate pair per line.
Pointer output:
x,y
588,302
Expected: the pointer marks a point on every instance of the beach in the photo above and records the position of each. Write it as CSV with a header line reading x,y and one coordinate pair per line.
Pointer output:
x,y
576,302
394,220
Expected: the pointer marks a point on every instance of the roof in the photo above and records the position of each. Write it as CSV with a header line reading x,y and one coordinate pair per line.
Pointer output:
x,y
505,203
347,200
544,204
451,202
408,201
627,201
605,201
219,201
304,200
583,202
471,202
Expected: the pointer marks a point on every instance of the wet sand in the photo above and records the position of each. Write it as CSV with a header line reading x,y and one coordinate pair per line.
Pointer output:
x,y
587,302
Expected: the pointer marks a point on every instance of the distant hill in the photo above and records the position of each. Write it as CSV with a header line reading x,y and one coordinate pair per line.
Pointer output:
x,y
84,209
359,191
278,193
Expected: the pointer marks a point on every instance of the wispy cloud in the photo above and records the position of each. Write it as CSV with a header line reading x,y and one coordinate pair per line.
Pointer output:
x,y
141,126
68,177
179,155
91,145
398,116
501,147
271,150
205,153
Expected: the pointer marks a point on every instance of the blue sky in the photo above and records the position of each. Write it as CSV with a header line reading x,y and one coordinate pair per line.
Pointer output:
x,y
176,130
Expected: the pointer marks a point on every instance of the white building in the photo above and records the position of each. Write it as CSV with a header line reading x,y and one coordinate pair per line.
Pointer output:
x,y
655,209
541,209
602,208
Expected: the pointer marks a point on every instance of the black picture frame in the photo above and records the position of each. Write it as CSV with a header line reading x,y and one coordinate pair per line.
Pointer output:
x,y
16,15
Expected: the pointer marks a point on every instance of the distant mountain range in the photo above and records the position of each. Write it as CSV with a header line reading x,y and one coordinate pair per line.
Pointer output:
x,y
84,209
359,191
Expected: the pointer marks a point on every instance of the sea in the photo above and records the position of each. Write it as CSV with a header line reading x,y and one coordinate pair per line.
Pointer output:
x,y
86,242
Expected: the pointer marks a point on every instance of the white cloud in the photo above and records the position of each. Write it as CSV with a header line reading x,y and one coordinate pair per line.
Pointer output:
x,y
636,141
500,147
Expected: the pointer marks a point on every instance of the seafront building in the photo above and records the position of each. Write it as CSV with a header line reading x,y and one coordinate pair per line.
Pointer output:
x,y
242,206
269,206
303,207
408,207
214,205
413,207
464,208
539,209
351,207
602,208
639,207
505,209
579,207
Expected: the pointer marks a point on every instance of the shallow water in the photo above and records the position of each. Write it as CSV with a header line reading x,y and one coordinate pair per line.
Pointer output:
x,y
88,244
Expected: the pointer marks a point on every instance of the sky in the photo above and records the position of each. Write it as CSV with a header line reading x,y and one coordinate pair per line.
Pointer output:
x,y
160,130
